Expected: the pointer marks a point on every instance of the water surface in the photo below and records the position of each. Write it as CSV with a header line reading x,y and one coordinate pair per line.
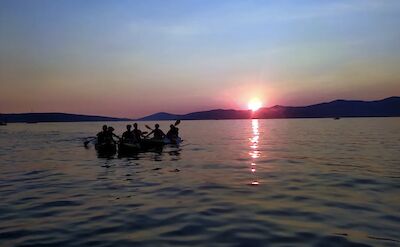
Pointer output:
x,y
304,182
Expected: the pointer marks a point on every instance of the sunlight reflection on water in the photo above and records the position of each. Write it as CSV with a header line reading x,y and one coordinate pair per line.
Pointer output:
x,y
255,153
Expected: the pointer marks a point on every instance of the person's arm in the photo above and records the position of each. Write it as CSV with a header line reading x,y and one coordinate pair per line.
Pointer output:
x,y
114,135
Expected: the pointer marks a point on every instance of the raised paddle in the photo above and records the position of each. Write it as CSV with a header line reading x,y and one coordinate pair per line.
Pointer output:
x,y
148,127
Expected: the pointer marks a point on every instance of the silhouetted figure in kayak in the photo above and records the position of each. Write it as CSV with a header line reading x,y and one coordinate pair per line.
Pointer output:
x,y
101,136
157,133
137,132
128,135
109,136
173,132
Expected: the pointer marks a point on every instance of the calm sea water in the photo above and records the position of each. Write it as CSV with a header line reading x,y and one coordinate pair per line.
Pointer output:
x,y
305,182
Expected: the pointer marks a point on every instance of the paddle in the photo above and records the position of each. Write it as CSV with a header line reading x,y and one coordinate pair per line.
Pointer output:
x,y
88,141
146,136
119,138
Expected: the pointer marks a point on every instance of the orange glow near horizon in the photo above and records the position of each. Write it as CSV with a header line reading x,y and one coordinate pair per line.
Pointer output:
x,y
254,104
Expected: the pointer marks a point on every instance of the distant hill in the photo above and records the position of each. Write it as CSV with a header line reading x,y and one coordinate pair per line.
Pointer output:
x,y
161,116
389,107
53,117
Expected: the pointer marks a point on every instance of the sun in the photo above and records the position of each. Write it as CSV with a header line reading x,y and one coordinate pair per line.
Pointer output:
x,y
254,104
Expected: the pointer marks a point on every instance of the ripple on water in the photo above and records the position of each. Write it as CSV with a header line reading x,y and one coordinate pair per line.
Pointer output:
x,y
349,206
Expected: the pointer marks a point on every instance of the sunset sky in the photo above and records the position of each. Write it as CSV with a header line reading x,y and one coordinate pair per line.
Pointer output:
x,y
130,58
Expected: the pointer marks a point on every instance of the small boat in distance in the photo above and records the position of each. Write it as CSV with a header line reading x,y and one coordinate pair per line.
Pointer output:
x,y
337,118
31,122
3,123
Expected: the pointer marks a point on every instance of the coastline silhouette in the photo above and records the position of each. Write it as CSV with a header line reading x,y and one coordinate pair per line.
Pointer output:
x,y
388,107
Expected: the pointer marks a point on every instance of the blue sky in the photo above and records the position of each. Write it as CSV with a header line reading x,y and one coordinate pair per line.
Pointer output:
x,y
131,58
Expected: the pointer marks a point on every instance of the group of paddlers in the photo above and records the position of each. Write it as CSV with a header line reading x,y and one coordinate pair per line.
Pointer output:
x,y
136,135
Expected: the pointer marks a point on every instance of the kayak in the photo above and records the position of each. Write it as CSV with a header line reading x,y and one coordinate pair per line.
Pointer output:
x,y
151,143
126,147
174,141
106,148
157,143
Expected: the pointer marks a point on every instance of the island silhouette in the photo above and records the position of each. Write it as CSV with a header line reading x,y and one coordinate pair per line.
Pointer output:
x,y
388,107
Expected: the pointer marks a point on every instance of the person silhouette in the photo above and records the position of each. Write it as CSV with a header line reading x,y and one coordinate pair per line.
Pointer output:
x,y
158,134
128,135
173,132
137,132
109,135
101,136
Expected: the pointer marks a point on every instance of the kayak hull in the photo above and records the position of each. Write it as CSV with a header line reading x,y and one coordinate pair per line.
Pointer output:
x,y
146,144
106,149
110,149
158,144
173,141
128,148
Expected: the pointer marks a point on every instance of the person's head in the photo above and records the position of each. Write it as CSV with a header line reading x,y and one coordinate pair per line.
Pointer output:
x,y
135,125
157,126
128,127
110,129
172,126
104,127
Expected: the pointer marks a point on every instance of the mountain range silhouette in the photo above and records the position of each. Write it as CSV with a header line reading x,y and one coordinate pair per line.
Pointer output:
x,y
389,107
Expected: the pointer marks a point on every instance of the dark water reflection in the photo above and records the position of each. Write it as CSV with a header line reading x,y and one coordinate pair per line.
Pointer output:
x,y
232,183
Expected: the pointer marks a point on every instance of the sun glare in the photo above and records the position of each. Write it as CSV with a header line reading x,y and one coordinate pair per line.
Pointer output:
x,y
254,104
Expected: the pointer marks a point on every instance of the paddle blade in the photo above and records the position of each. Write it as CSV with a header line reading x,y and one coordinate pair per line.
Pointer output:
x,y
148,127
177,122
86,143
